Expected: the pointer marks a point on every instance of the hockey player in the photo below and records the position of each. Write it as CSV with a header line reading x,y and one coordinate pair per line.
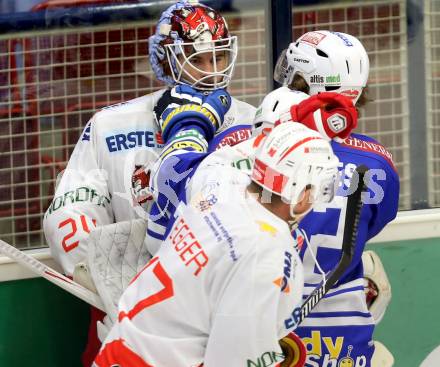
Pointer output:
x,y
111,278
227,277
357,346
324,107
191,45
339,331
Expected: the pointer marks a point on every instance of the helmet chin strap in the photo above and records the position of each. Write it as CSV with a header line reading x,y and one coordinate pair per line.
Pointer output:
x,y
295,218
293,224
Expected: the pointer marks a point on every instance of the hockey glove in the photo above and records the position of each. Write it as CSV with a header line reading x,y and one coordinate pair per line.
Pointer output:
x,y
294,351
331,114
184,108
178,96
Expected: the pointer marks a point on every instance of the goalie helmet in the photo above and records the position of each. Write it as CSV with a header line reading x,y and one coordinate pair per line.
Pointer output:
x,y
328,61
274,105
184,32
293,158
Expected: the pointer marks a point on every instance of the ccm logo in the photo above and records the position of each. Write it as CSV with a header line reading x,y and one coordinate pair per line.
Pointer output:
x,y
337,122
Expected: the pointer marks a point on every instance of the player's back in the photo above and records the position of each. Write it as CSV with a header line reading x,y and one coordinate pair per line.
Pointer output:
x,y
344,307
324,226
220,249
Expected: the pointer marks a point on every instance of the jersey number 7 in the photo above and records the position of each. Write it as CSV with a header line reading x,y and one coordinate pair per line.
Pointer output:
x,y
166,292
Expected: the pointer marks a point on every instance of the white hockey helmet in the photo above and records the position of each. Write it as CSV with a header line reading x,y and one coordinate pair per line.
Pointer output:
x,y
273,106
328,61
186,30
292,158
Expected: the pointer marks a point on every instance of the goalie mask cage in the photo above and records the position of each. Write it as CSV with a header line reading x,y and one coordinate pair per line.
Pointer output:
x,y
55,77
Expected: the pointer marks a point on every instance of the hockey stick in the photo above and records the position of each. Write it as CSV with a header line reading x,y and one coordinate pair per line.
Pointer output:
x,y
352,216
52,275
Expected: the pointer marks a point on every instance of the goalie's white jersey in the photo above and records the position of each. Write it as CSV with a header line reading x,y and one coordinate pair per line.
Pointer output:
x,y
220,288
95,187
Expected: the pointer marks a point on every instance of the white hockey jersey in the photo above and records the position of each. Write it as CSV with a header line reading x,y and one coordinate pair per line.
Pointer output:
x,y
95,188
340,327
220,288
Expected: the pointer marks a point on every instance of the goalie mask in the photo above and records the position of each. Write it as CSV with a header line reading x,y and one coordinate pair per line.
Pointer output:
x,y
293,158
328,61
192,45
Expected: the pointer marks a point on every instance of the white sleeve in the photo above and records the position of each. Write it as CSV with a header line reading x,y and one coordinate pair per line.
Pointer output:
x,y
81,201
246,322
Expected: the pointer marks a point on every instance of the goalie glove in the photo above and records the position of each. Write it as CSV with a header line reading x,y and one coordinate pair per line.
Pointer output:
x,y
183,107
294,351
376,285
331,114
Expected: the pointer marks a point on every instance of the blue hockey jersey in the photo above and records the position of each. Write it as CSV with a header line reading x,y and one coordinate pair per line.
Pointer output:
x,y
174,173
340,326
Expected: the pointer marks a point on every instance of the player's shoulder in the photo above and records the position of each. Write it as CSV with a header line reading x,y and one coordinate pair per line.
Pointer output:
x,y
215,177
143,104
274,247
272,236
269,229
243,106
224,156
240,113
237,125
253,235
367,150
